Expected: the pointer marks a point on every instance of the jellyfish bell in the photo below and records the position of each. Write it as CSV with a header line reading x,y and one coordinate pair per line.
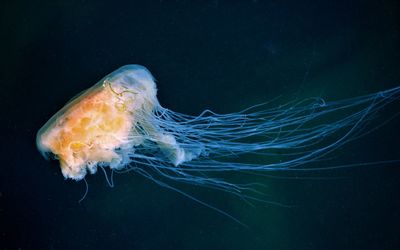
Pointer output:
x,y
104,124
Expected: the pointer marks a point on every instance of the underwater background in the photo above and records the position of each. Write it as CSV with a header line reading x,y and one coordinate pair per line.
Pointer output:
x,y
218,55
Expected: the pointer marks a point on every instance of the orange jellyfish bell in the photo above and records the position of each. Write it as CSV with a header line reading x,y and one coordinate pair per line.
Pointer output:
x,y
89,129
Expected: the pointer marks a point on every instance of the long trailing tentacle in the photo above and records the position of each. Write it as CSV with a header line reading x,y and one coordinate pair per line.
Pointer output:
x,y
287,137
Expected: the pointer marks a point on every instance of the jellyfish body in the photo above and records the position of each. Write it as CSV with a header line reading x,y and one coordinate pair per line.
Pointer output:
x,y
106,123
119,123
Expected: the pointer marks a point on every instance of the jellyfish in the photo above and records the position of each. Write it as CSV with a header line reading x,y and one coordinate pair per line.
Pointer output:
x,y
119,124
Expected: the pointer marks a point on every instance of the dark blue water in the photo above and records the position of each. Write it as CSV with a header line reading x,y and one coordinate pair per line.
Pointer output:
x,y
219,55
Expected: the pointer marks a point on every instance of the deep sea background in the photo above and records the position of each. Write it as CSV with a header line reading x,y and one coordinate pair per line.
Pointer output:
x,y
219,55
